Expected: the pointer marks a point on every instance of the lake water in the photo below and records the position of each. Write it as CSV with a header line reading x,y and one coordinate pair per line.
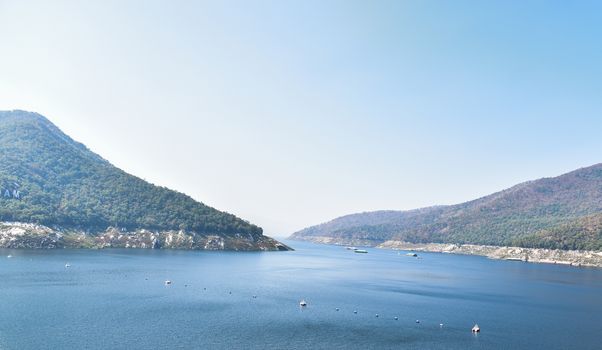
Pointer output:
x,y
117,299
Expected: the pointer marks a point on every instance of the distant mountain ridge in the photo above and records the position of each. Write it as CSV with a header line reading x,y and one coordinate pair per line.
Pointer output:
x,y
563,212
50,180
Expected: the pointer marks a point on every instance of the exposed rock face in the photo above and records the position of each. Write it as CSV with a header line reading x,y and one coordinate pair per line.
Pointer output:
x,y
550,256
32,236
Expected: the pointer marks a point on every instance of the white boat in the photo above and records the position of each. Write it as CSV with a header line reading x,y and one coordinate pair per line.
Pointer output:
x,y
167,282
360,251
351,248
9,256
303,303
412,254
67,265
476,328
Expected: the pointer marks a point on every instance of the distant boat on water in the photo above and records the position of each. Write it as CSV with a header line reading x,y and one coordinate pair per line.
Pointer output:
x,y
412,254
303,303
360,251
476,328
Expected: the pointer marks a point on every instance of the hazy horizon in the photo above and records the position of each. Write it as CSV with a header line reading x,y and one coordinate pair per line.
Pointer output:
x,y
291,114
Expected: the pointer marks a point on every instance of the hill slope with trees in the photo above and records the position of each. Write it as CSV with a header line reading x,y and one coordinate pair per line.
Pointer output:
x,y
559,213
47,178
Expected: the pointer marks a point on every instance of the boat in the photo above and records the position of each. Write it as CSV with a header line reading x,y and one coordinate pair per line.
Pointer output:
x,y
476,328
9,256
67,265
412,254
167,282
303,303
351,248
360,251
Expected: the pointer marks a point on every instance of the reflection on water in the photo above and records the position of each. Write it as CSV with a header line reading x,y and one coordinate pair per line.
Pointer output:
x,y
220,300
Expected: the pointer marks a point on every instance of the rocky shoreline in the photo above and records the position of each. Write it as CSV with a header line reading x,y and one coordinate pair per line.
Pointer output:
x,y
34,236
534,255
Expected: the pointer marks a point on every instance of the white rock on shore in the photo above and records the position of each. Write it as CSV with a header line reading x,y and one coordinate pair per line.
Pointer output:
x,y
548,256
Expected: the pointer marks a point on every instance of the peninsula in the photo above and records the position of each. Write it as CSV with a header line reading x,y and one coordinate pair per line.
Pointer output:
x,y
56,193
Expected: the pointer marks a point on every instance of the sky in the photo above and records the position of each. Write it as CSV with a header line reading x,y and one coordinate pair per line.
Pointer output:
x,y
291,113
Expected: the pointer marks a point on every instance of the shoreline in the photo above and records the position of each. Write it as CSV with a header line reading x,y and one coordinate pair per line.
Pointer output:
x,y
578,258
18,235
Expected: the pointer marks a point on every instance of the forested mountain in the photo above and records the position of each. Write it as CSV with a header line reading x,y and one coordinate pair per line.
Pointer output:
x,y
563,212
49,179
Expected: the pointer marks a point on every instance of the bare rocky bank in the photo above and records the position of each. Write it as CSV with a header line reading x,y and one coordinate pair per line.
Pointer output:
x,y
535,255
34,236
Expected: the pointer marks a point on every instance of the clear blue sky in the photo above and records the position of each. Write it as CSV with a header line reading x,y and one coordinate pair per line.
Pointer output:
x,y
290,113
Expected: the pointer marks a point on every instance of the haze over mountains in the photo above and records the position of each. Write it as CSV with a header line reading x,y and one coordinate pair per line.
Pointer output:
x,y
563,212
49,180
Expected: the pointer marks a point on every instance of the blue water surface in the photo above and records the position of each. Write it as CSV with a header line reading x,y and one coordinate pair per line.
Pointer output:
x,y
117,299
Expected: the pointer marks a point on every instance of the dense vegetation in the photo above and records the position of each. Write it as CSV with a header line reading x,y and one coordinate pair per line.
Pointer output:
x,y
563,213
47,178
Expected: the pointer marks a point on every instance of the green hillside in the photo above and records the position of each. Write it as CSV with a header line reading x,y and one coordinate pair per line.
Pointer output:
x,y
562,213
47,178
